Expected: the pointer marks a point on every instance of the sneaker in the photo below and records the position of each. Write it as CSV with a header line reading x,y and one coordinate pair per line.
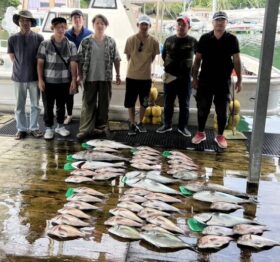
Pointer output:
x,y
36,133
199,137
141,128
62,131
185,132
67,120
49,134
132,130
164,129
20,135
221,141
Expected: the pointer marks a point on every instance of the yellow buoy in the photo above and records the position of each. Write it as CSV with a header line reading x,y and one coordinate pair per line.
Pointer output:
x,y
233,122
153,93
148,111
156,111
236,106
147,120
156,120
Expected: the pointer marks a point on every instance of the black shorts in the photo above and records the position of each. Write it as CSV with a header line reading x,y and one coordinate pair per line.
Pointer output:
x,y
133,89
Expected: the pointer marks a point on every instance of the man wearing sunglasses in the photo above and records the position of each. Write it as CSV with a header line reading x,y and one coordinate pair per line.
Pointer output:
x,y
141,50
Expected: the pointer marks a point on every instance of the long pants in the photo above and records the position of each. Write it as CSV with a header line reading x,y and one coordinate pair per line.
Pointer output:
x,y
21,90
181,88
95,105
55,94
69,104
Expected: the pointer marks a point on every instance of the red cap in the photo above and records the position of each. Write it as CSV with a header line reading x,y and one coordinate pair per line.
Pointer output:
x,y
185,19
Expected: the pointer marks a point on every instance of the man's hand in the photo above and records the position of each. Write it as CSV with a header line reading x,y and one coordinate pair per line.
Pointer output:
x,y
41,85
118,80
73,87
238,86
194,83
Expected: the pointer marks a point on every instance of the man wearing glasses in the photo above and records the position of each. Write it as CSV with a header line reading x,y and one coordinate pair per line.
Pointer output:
x,y
141,50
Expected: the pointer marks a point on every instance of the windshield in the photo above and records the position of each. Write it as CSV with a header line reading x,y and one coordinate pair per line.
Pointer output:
x,y
103,4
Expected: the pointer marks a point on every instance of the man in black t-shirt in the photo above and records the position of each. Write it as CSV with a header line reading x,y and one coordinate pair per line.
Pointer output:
x,y
217,53
177,54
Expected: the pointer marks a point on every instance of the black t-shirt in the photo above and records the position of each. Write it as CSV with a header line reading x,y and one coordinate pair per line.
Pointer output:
x,y
177,55
217,55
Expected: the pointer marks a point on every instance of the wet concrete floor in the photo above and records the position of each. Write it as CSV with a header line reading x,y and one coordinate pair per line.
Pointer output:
x,y
32,189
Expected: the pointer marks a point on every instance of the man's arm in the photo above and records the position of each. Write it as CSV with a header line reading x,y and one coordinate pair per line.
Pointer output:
x,y
117,66
12,57
237,68
195,69
40,72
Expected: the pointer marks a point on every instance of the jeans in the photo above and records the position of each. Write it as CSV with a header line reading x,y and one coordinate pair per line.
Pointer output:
x,y
180,87
20,115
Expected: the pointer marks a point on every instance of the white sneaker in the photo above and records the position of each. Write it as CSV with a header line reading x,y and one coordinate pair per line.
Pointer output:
x,y
49,134
68,120
62,131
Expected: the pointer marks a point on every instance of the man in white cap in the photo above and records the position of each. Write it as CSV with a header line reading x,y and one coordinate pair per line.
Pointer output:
x,y
22,48
217,53
141,50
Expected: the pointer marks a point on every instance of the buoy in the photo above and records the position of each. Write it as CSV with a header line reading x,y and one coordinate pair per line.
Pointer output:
x,y
147,120
148,111
156,120
236,107
156,111
233,122
153,93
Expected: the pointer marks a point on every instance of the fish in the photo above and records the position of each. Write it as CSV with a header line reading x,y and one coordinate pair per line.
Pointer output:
x,y
224,206
83,172
80,205
173,171
221,219
125,232
147,153
146,167
132,198
118,220
92,155
159,178
95,164
147,212
152,227
142,161
78,179
84,198
156,204
74,212
164,240
137,191
146,149
106,176
107,143
139,157
165,223
256,242
110,169
89,191
244,229
217,231
134,174
162,197
134,207
65,231
188,175
215,196
123,212
66,219
178,153
105,149
213,242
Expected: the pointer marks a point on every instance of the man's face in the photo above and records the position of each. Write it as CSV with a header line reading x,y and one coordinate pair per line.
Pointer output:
x,y
60,29
219,24
77,20
24,24
182,28
99,26
143,27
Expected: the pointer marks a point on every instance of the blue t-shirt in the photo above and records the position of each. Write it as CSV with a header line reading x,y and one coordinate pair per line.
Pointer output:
x,y
77,39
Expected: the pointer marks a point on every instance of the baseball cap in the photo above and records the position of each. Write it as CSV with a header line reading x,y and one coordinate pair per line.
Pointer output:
x,y
76,12
185,19
220,15
58,20
144,19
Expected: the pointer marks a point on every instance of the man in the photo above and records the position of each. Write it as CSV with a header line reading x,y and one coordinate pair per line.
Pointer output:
x,y
57,73
217,53
76,34
177,54
22,48
141,50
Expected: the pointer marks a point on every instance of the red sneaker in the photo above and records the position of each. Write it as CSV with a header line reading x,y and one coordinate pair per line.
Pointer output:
x,y
199,137
221,141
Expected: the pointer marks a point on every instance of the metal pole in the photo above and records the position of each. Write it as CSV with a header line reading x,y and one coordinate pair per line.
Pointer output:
x,y
266,59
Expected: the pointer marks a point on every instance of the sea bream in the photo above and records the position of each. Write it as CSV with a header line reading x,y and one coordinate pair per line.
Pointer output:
x,y
117,220
123,212
147,153
80,205
162,197
156,204
133,198
107,143
244,229
134,174
152,227
82,172
146,149
217,231
134,207
256,242
89,191
65,231
224,206
137,191
67,219
92,165
92,155
84,198
110,169
148,212
105,176
78,179
142,166
188,175
155,175
143,161
74,212
213,242
125,232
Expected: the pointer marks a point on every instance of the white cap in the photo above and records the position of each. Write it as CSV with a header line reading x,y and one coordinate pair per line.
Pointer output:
x,y
144,19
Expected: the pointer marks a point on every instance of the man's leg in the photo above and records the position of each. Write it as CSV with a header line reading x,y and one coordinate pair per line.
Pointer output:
x,y
34,94
20,93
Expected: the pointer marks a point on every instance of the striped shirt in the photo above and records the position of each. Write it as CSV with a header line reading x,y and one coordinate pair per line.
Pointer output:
x,y
55,70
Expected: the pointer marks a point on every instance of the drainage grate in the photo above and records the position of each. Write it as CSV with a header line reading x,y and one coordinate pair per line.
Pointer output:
x,y
271,144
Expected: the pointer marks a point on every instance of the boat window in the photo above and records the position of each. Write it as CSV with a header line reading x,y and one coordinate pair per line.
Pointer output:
x,y
110,4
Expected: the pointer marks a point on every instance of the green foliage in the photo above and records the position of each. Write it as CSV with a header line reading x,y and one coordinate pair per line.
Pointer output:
x,y
84,3
14,3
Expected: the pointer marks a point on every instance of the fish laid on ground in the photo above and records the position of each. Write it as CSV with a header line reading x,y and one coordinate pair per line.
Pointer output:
x,y
215,196
105,149
178,153
141,156
188,175
83,172
143,161
84,198
80,205
146,153
217,231
159,178
89,191
92,155
125,232
123,212
156,204
152,227
65,231
146,167
78,179
137,191
244,229
133,198
134,207
110,169
222,219
74,212
162,197
66,219
197,186
165,223
146,149
174,171
105,176
256,242
117,220
106,143
92,165
225,206
213,242
164,240
134,174
148,212
181,162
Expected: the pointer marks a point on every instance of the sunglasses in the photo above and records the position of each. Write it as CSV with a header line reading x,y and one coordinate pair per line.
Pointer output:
x,y
140,47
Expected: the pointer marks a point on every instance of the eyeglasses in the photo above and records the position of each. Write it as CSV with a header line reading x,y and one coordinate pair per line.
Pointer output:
x,y
140,47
